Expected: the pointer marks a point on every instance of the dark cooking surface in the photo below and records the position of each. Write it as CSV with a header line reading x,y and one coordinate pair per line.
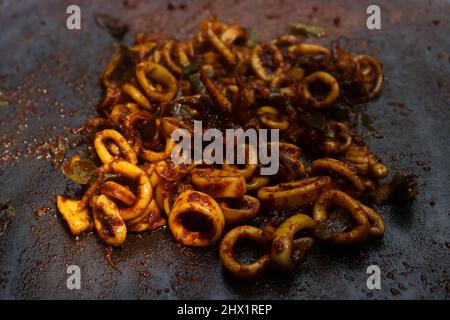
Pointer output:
x,y
52,75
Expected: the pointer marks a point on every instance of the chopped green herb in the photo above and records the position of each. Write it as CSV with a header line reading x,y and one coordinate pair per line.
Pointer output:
x,y
7,213
81,171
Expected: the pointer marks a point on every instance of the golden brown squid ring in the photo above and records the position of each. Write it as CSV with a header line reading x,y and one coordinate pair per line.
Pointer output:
x,y
121,110
150,208
152,156
367,65
340,142
77,216
137,96
250,167
308,49
341,168
163,197
258,66
193,206
328,80
218,44
219,99
159,74
365,162
257,183
185,50
272,118
109,69
166,55
152,220
283,244
243,271
144,189
116,191
119,140
232,33
376,222
108,222
293,194
219,183
333,196
237,211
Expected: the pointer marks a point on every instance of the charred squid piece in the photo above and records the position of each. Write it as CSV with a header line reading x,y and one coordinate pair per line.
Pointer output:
x,y
236,211
137,96
167,53
163,128
149,70
321,78
365,162
251,162
196,219
233,33
287,251
267,62
360,232
75,213
218,98
272,118
144,189
210,35
118,140
219,183
376,222
339,141
291,166
108,222
150,219
342,170
293,194
257,183
185,53
244,271
371,76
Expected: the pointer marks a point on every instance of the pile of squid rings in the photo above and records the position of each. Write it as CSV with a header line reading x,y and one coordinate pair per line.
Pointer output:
x,y
224,78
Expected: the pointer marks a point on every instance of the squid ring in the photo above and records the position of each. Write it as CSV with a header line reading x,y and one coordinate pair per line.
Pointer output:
x,y
282,252
365,162
293,194
190,208
376,222
137,96
159,74
107,220
166,54
374,65
258,66
243,271
219,183
238,211
144,189
257,183
362,229
325,78
272,118
251,165
340,143
119,192
218,44
102,151
341,168
308,49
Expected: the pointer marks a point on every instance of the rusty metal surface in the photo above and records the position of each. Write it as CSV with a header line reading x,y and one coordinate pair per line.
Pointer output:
x,y
51,75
